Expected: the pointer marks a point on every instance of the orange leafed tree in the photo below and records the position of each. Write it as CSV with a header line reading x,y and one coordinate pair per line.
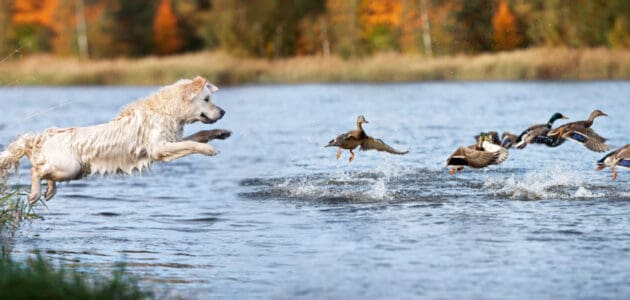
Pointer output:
x,y
39,12
506,36
381,12
166,36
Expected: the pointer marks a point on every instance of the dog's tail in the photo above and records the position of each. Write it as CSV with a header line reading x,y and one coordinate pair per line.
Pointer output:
x,y
10,157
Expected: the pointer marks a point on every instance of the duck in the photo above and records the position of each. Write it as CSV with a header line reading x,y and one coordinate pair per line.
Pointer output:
x,y
619,157
479,155
508,139
581,132
531,134
357,137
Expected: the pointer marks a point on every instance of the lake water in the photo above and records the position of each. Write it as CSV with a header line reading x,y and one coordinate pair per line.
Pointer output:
x,y
275,215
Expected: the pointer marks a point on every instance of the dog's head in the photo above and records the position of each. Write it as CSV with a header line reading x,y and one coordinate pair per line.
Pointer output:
x,y
199,97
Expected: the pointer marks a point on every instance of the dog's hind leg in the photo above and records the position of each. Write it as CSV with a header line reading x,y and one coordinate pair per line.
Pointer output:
x,y
51,189
36,187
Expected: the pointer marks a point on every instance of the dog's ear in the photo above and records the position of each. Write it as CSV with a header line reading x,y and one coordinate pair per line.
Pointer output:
x,y
213,88
196,86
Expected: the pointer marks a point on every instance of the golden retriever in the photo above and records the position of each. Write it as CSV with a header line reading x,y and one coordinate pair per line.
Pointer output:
x,y
148,130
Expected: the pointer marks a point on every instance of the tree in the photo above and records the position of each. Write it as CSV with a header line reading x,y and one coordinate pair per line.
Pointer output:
x,y
344,27
506,36
380,20
131,26
166,36
473,31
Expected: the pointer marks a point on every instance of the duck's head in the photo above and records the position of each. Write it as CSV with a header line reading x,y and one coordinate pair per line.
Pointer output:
x,y
597,113
482,137
361,120
556,116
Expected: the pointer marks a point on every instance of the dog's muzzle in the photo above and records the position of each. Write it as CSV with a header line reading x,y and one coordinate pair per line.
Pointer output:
x,y
206,120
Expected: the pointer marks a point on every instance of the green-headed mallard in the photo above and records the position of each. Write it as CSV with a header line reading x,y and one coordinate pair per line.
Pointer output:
x,y
531,134
581,132
358,137
619,157
479,155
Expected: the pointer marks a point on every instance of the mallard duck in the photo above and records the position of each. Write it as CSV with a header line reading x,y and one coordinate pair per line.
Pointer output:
x,y
530,134
581,132
491,136
479,155
508,140
619,157
358,137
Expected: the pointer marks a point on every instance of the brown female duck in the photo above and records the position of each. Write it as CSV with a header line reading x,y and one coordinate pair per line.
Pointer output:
x,y
355,138
480,155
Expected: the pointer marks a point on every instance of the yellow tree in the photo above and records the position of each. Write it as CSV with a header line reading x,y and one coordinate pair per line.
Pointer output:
x,y
166,36
381,21
506,36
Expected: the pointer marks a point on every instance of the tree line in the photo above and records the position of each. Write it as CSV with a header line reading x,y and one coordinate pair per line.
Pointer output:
x,y
286,28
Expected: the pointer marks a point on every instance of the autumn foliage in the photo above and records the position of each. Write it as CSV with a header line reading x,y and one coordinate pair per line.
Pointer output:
x,y
506,36
285,28
166,36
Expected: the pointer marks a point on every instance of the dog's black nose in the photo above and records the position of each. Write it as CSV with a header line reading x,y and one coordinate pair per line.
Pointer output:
x,y
222,112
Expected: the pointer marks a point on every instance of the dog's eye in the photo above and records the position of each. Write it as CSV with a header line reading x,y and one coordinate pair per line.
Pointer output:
x,y
207,98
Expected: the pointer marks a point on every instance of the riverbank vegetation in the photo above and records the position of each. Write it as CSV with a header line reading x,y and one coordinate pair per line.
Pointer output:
x,y
155,42
224,69
38,278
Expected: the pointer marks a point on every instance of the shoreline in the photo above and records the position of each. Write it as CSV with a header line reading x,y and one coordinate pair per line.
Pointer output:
x,y
535,64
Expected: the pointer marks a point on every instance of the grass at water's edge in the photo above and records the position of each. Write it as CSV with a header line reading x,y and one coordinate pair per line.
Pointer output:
x,y
13,211
37,278
223,69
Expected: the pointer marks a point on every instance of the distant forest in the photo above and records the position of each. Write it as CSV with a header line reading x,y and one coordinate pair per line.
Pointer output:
x,y
287,28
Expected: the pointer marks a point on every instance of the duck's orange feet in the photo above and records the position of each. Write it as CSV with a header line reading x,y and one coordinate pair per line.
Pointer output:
x,y
351,156
614,174
451,171
339,153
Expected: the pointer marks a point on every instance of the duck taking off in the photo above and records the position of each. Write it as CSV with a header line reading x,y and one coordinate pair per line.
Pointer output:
x,y
581,132
619,157
537,134
480,155
355,138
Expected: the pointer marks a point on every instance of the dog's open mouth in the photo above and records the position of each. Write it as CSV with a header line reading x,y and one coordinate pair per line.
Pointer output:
x,y
205,119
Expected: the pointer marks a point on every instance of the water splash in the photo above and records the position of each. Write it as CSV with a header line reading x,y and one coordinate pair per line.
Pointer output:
x,y
549,183
378,184
583,192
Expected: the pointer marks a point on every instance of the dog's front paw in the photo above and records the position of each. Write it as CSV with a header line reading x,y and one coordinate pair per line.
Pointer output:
x,y
222,134
210,151
205,136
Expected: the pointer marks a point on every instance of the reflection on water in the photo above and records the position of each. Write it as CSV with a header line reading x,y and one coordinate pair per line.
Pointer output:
x,y
276,216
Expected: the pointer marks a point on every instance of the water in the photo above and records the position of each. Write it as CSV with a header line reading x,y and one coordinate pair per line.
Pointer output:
x,y
276,216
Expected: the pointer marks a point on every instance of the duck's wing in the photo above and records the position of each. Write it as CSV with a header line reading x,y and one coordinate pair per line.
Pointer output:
x,y
530,134
478,158
370,143
508,140
534,131
589,138
336,142
501,153
623,155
